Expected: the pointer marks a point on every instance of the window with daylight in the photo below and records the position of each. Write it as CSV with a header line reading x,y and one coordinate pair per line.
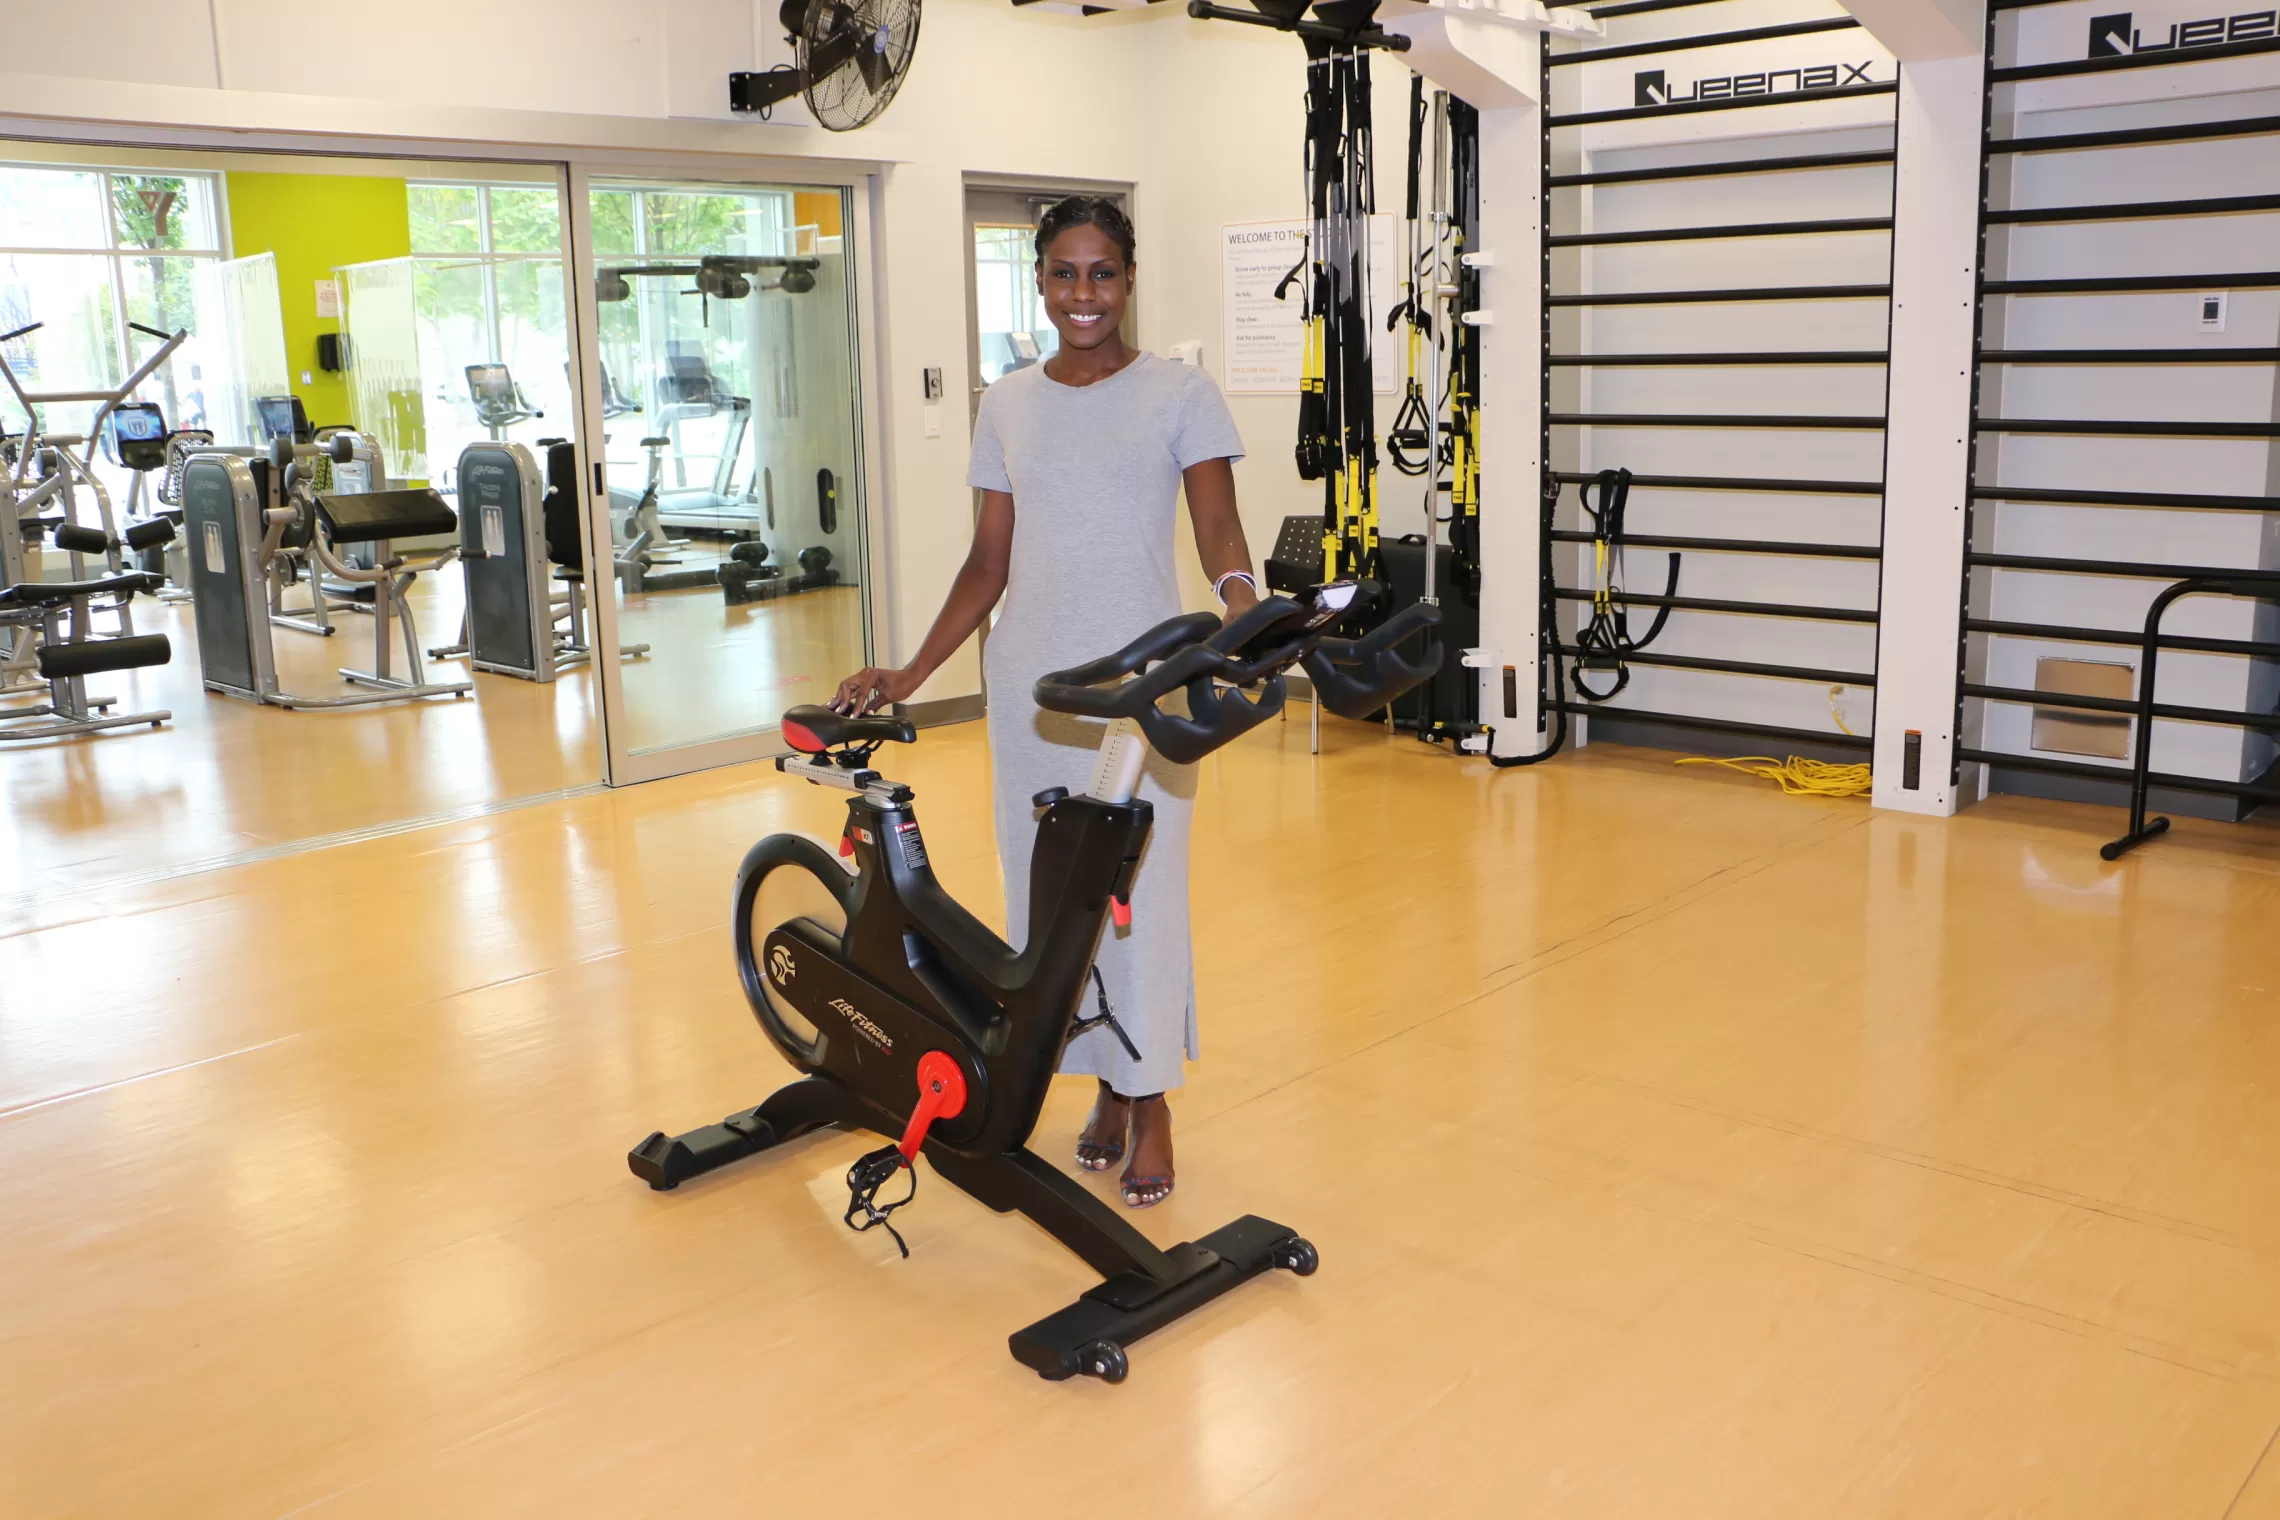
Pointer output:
x,y
482,287
84,252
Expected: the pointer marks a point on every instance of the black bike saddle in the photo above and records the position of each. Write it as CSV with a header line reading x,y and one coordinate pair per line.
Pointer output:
x,y
812,729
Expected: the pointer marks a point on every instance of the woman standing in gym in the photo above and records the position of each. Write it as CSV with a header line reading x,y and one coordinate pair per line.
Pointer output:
x,y
1080,462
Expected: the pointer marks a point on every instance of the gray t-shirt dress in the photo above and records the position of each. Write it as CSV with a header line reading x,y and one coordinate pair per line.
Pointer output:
x,y
1094,472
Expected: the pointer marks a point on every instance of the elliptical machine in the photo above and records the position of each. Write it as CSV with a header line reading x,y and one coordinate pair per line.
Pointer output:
x,y
910,1018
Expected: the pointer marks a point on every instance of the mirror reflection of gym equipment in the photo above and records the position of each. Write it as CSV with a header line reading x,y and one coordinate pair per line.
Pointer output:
x,y
238,530
728,399
48,629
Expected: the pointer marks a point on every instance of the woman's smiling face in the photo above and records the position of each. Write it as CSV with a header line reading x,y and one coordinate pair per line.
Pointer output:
x,y
1086,284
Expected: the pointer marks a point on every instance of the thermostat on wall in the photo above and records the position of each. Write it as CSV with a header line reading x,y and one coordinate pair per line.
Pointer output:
x,y
2212,312
1189,353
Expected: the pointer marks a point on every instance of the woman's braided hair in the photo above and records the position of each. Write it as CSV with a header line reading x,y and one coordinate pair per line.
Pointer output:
x,y
1086,211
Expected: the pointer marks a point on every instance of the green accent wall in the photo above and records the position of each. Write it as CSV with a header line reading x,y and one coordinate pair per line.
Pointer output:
x,y
313,223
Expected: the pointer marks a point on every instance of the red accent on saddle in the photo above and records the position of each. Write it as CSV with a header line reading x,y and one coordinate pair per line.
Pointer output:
x,y
941,1095
1120,909
802,738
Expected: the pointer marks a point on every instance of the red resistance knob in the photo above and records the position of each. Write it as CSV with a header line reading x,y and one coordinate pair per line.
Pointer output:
x,y
941,1095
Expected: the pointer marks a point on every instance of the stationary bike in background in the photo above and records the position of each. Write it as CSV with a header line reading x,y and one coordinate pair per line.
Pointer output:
x,y
910,1018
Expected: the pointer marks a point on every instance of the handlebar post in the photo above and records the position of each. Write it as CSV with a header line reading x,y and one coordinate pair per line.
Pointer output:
x,y
1116,768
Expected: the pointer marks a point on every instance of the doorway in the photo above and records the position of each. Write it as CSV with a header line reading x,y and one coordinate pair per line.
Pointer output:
x,y
1006,326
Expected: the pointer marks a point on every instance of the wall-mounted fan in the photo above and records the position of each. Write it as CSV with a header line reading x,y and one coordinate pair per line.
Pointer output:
x,y
852,55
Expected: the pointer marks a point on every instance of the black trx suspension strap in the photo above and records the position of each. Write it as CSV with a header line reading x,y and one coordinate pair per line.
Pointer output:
x,y
1464,349
1408,442
1337,423
1603,643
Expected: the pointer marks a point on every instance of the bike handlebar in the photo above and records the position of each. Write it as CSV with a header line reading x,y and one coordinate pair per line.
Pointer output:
x,y
1381,673
1215,662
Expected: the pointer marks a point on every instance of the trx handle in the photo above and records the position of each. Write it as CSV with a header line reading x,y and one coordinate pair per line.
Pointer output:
x,y
1356,677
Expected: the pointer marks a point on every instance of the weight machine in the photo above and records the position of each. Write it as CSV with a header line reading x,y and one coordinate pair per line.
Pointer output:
x,y
242,514
47,629
519,539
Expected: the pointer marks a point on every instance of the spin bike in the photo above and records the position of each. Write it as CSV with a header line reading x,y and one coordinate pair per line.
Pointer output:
x,y
914,1020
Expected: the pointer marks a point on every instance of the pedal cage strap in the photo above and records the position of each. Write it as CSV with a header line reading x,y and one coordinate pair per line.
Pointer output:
x,y
864,1179
1106,1016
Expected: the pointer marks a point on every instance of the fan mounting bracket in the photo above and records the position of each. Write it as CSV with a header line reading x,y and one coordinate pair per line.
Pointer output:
x,y
763,89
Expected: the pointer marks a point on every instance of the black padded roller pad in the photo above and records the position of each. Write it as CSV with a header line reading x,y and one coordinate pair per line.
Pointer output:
x,y
149,535
72,536
94,656
365,517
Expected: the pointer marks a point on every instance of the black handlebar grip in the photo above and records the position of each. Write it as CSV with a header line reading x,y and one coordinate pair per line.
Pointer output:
x,y
1355,678
1158,643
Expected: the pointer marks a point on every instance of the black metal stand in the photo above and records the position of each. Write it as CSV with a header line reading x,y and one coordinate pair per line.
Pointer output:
x,y
2248,583
1145,1288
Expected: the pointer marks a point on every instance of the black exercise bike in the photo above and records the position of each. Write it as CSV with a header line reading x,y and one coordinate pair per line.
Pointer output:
x,y
911,1018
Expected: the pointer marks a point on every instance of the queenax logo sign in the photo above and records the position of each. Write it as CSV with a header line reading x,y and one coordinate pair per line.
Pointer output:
x,y
1651,87
2117,36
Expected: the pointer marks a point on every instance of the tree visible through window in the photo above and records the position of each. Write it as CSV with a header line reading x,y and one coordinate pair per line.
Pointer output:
x,y
91,251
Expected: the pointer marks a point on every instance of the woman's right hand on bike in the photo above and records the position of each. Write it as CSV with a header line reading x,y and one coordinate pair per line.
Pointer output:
x,y
874,687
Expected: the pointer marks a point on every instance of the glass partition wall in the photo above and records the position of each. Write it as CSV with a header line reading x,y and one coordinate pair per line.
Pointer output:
x,y
679,360
727,402
311,295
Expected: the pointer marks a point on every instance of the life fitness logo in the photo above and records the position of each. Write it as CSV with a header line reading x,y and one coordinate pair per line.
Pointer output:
x,y
2116,36
1652,87
780,966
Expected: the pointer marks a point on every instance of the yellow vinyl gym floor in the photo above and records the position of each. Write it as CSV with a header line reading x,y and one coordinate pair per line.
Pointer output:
x,y
1674,1148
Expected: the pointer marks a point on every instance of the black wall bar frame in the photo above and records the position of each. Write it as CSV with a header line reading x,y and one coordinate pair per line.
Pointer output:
x,y
2144,706
1746,735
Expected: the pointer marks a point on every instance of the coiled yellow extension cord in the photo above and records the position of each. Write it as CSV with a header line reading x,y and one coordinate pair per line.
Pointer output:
x,y
1798,776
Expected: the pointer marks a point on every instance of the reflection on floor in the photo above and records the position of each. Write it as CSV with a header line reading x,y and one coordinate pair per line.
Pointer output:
x,y
1674,1148
226,777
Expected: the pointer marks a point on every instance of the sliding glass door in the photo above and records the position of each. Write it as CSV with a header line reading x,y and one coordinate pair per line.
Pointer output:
x,y
725,390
